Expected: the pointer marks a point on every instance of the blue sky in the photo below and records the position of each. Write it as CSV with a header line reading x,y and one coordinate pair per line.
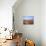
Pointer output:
x,y
28,17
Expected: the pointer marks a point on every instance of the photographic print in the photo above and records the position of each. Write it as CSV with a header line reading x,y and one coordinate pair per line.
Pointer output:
x,y
28,19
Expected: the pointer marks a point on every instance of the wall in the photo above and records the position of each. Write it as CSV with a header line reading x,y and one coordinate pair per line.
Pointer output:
x,y
29,8
6,13
43,22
